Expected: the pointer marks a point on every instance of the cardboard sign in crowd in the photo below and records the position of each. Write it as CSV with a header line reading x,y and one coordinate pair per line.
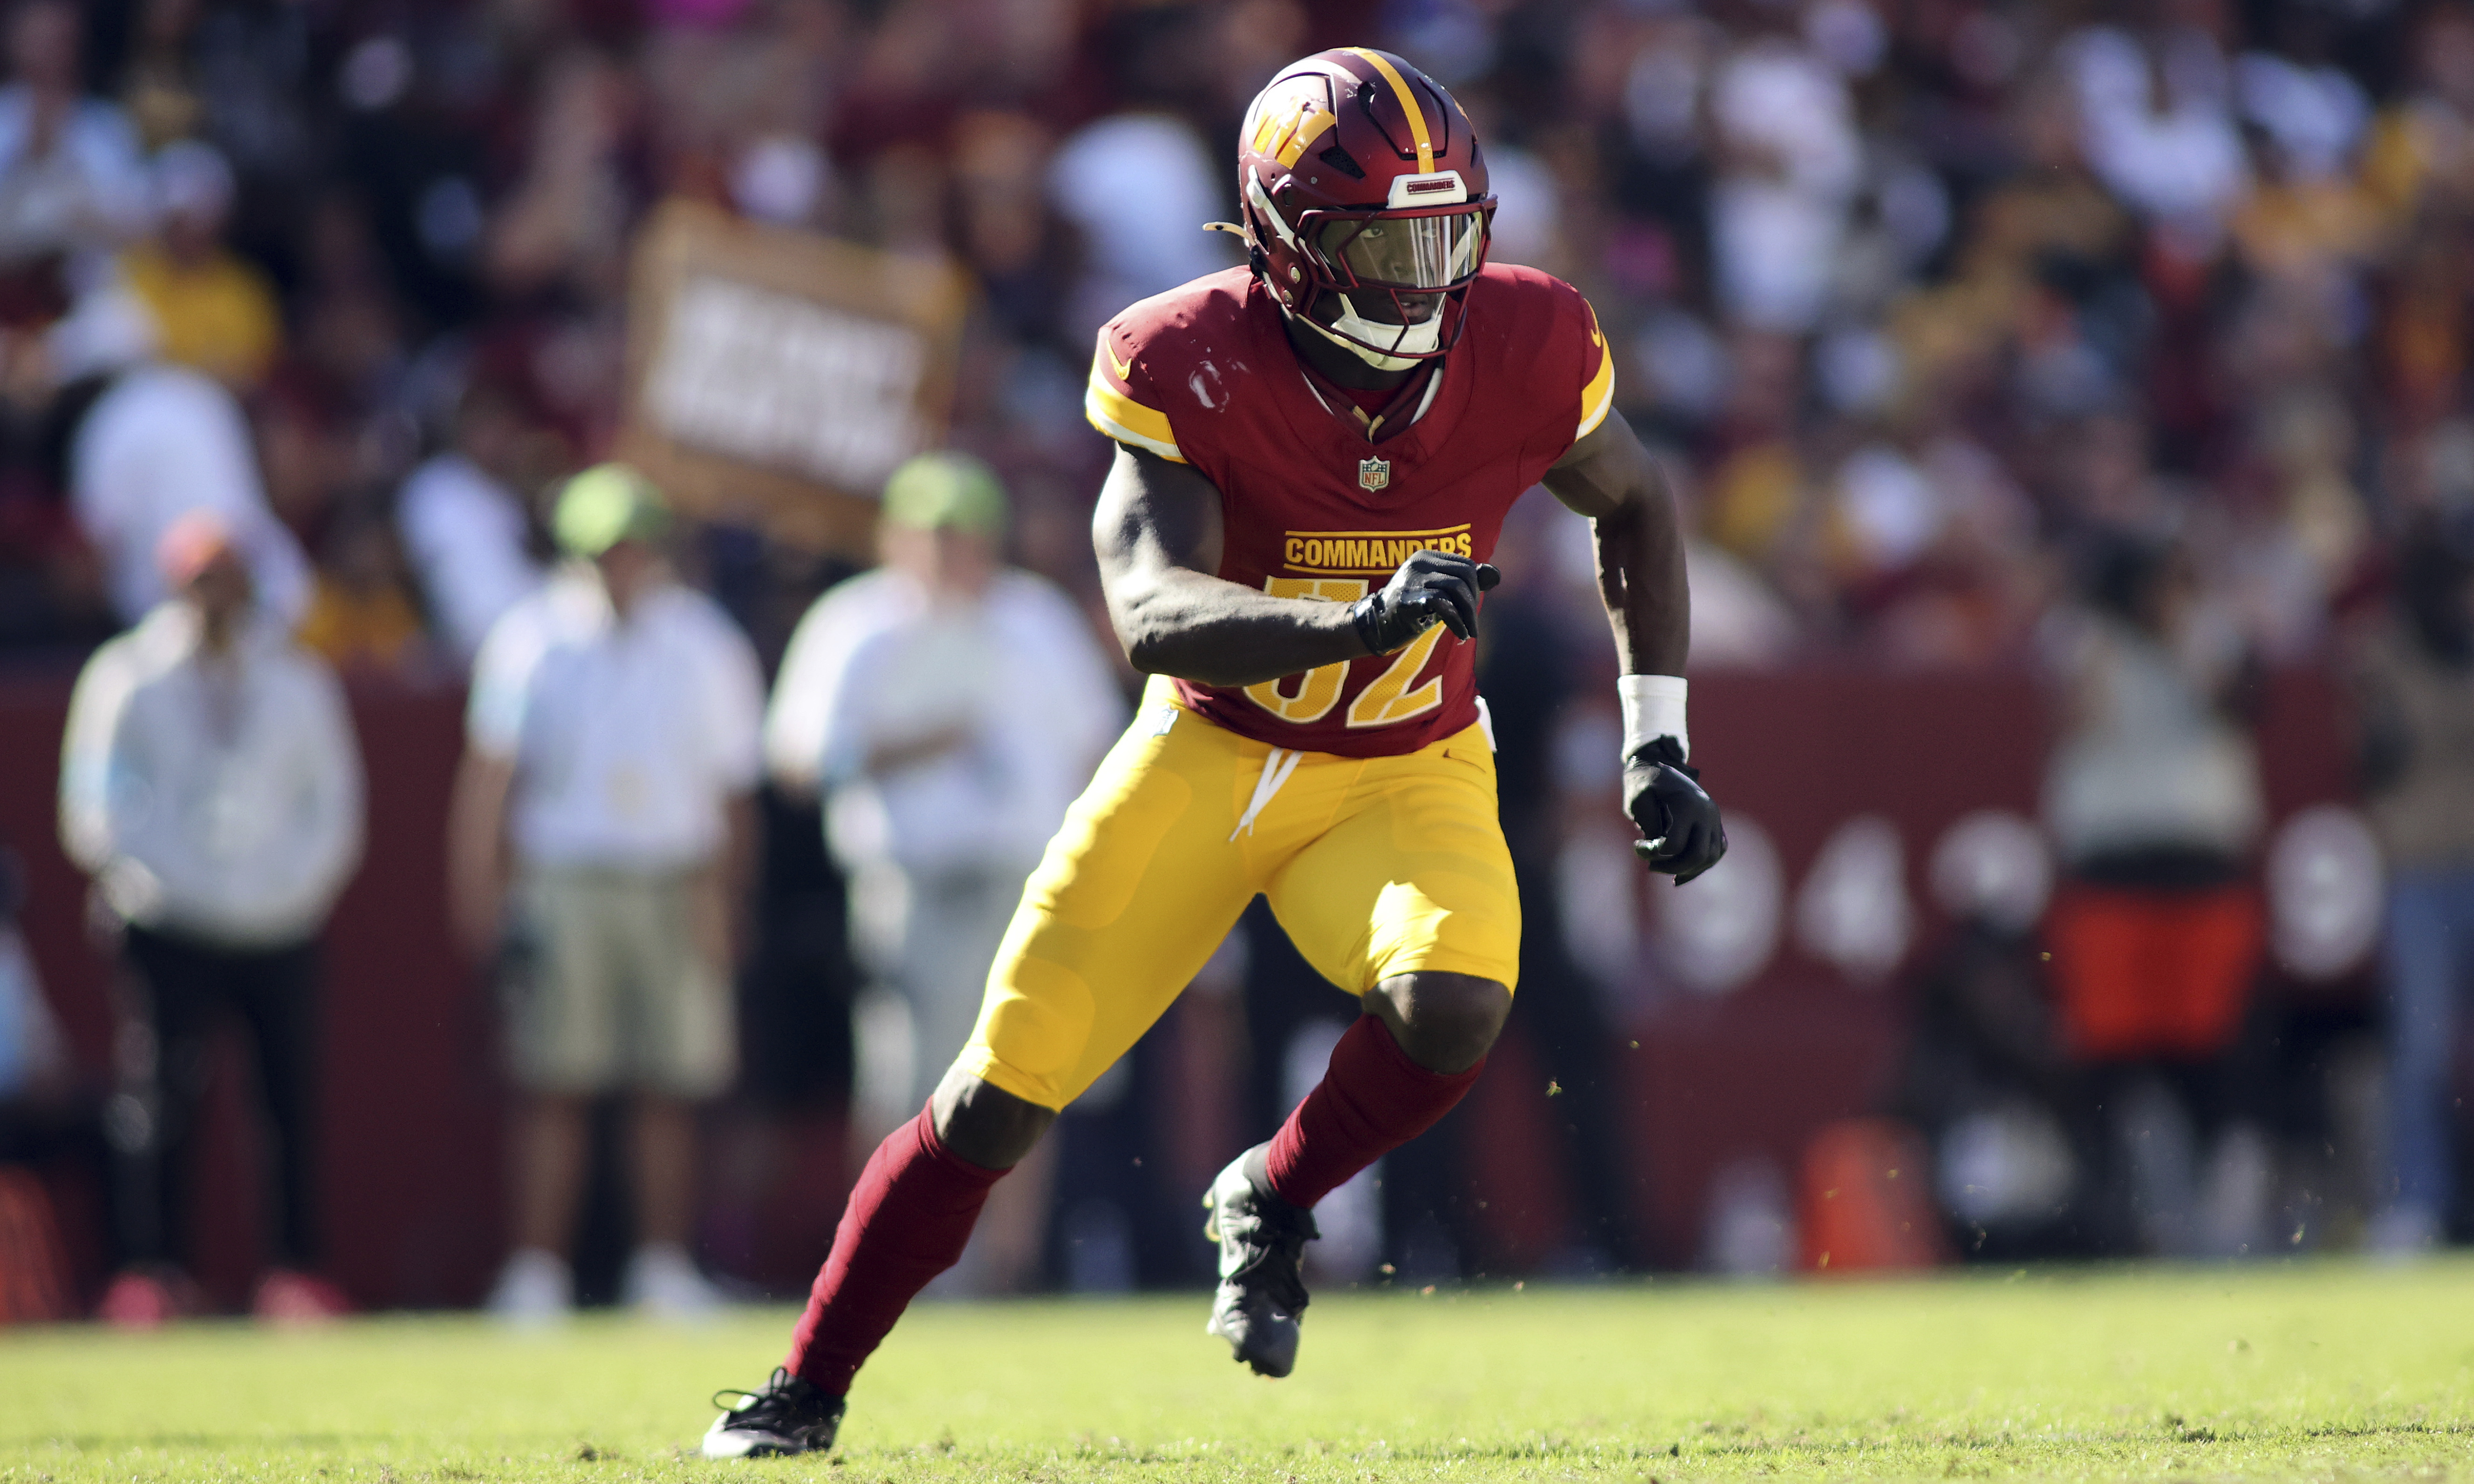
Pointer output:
x,y
776,378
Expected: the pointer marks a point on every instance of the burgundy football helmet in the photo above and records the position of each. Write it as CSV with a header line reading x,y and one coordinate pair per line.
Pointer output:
x,y
1362,187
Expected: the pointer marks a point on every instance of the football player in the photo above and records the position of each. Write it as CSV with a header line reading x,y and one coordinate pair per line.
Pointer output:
x,y
1315,454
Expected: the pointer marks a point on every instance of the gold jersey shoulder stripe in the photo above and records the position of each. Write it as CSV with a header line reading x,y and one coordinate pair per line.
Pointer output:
x,y
1130,421
1598,397
1121,418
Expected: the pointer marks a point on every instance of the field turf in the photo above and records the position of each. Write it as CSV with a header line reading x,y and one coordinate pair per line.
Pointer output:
x,y
2311,1370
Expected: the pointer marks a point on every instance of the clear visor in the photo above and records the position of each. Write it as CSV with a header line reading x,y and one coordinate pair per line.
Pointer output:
x,y
1405,252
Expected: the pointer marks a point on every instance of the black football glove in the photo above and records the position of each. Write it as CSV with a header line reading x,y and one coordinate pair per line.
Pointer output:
x,y
1431,587
1679,822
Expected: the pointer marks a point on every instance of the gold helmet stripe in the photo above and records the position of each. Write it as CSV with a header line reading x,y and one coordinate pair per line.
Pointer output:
x,y
1408,106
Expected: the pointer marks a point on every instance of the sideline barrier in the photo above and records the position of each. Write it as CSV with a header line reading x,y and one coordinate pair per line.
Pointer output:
x,y
1765,1001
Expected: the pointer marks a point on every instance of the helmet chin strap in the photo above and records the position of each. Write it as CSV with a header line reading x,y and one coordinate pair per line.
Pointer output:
x,y
1421,339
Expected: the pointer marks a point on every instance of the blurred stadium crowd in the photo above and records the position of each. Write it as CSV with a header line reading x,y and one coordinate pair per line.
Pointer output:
x,y
2128,341
1918,291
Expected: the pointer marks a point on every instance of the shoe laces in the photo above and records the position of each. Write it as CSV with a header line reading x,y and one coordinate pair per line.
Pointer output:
x,y
786,1399
1274,1235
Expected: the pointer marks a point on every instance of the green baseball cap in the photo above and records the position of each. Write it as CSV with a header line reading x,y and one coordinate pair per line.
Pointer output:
x,y
607,504
936,489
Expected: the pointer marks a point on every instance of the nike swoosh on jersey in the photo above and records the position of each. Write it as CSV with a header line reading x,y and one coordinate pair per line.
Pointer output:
x,y
1125,369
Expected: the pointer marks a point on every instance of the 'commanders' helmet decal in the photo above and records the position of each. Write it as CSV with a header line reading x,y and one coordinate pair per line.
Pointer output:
x,y
1363,190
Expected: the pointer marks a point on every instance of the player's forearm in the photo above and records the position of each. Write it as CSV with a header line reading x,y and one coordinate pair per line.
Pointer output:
x,y
1196,626
1642,579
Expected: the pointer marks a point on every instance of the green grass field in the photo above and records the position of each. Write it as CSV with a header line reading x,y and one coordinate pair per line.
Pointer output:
x,y
2308,1371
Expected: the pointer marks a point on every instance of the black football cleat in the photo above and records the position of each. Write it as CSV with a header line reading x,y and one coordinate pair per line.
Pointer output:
x,y
1262,1239
788,1416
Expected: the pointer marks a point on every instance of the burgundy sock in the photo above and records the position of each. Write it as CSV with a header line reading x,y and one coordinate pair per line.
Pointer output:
x,y
1372,1100
908,1220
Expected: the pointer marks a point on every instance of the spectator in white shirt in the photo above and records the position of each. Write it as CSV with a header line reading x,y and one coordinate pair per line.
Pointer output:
x,y
2157,123
950,707
72,175
1792,162
160,442
35,1072
464,525
47,1123
33,1057
211,783
1141,239
600,841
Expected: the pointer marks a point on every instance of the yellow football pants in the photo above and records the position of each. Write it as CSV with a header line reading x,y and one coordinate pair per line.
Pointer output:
x,y
1375,866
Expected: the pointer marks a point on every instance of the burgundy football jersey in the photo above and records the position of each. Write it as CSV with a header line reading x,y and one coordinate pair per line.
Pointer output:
x,y
1314,509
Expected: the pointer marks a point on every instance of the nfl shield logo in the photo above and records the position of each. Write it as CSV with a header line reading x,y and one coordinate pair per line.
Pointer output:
x,y
1373,473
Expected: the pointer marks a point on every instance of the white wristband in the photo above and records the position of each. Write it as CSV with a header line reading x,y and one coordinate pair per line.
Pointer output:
x,y
1653,708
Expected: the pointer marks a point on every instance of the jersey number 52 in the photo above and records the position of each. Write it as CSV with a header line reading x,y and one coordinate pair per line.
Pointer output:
x,y
1387,700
